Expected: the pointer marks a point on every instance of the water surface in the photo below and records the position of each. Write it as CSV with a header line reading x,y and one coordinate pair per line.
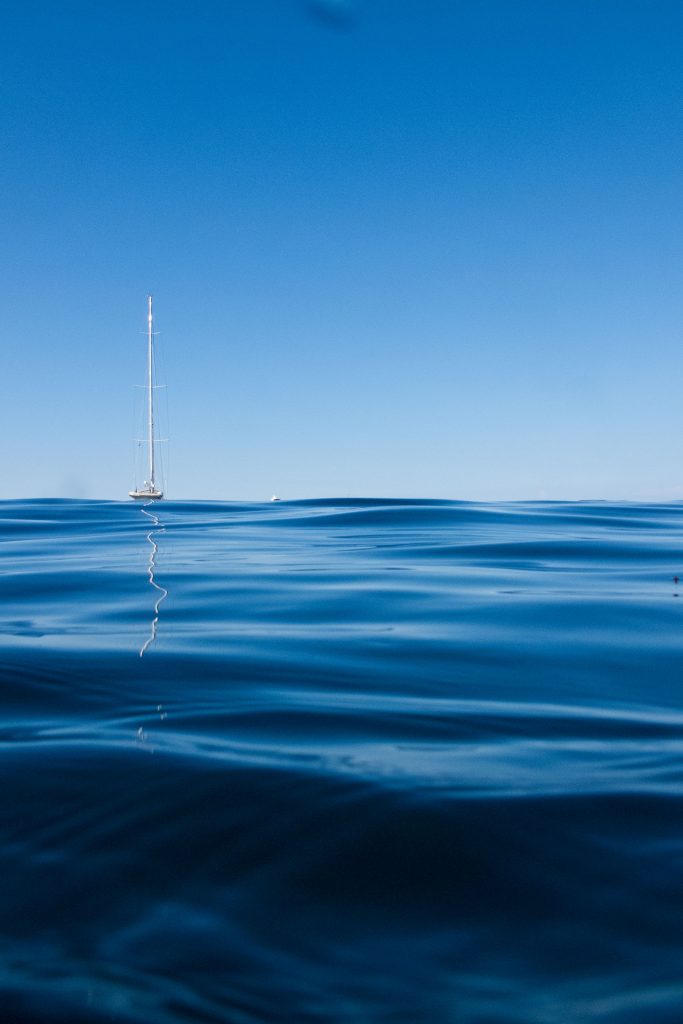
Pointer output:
x,y
378,761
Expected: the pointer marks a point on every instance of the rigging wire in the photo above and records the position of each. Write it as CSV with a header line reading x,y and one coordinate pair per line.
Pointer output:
x,y
161,422
162,412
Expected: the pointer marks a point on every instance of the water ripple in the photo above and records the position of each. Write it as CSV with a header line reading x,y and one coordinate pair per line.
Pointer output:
x,y
391,761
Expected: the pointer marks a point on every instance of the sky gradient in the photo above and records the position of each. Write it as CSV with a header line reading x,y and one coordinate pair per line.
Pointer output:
x,y
396,247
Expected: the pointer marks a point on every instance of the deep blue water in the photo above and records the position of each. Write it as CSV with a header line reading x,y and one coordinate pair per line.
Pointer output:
x,y
380,761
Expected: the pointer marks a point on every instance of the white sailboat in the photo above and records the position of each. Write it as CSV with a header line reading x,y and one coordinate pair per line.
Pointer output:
x,y
149,491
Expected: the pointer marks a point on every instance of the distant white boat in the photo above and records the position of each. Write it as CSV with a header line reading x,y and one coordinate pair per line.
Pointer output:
x,y
275,498
149,491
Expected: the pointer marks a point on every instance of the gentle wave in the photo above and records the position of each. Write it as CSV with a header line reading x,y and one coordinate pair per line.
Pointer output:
x,y
382,761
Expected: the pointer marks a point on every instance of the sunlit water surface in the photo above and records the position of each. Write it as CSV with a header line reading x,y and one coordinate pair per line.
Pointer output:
x,y
378,761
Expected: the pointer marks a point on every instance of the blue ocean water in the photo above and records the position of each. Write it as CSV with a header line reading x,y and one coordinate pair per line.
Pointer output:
x,y
378,761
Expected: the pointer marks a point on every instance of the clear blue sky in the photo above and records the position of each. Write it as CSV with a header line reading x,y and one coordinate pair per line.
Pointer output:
x,y
434,248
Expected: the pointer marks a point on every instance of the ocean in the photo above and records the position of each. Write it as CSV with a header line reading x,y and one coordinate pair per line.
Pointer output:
x,y
351,761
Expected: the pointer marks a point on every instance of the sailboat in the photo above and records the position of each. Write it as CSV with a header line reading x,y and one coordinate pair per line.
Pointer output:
x,y
149,491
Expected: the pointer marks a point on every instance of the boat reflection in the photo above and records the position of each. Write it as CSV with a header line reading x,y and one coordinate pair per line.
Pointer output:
x,y
151,568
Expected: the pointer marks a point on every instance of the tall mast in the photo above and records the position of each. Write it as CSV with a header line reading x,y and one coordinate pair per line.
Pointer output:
x,y
150,405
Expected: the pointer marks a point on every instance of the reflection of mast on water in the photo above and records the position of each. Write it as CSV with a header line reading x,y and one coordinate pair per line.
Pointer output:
x,y
163,593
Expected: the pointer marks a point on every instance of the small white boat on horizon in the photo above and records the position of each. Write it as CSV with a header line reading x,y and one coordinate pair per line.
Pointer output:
x,y
149,491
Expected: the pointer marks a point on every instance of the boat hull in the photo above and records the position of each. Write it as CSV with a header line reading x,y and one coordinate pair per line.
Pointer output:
x,y
146,495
